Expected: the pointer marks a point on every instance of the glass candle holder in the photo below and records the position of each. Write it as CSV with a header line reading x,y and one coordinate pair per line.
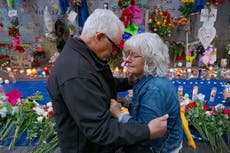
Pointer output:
x,y
194,92
213,94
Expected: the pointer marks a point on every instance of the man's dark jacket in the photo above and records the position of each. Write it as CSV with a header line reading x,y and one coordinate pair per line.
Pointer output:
x,y
81,86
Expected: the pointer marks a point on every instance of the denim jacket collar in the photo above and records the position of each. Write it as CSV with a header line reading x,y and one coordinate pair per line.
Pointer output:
x,y
141,82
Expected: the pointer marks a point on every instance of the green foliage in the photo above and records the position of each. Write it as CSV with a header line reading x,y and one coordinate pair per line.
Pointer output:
x,y
186,9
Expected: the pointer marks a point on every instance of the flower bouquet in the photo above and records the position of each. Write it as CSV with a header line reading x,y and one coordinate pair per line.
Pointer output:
x,y
160,23
19,116
212,123
177,50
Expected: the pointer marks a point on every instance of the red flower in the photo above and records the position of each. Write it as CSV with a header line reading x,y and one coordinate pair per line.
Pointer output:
x,y
181,57
1,25
20,49
13,31
213,112
126,17
206,107
46,108
167,15
51,113
119,3
132,2
227,111
186,110
192,104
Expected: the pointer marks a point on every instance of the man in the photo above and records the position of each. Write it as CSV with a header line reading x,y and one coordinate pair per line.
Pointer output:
x,y
81,86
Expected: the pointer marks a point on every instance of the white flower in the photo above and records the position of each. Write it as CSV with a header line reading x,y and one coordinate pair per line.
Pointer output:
x,y
36,103
39,110
219,107
45,114
39,118
50,109
3,112
14,110
201,97
49,104
208,113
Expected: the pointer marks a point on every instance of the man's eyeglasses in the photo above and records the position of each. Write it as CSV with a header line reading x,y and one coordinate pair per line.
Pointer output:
x,y
115,47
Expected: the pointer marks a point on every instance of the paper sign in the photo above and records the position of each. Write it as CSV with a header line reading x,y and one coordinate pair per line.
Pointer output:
x,y
206,35
72,16
205,15
12,13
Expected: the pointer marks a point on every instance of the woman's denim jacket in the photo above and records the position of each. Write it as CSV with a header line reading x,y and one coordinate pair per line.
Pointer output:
x,y
154,97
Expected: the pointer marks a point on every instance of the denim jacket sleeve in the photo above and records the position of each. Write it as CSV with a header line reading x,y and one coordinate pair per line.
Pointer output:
x,y
152,104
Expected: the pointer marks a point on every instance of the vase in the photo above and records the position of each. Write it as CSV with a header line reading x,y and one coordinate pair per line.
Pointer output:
x,y
10,3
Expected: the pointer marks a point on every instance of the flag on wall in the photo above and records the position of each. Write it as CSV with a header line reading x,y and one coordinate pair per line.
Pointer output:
x,y
82,13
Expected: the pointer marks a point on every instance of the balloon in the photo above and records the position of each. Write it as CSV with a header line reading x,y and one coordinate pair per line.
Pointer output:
x,y
126,35
140,30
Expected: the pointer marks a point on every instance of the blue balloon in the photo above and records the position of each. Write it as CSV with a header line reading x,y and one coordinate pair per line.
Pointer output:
x,y
40,71
126,35
141,30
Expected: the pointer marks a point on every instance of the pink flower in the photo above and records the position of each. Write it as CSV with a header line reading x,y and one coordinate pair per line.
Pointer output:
x,y
13,97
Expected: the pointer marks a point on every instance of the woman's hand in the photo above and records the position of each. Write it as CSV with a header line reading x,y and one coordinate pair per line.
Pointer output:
x,y
115,108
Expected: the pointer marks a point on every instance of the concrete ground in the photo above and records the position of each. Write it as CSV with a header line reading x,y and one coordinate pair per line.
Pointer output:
x,y
201,148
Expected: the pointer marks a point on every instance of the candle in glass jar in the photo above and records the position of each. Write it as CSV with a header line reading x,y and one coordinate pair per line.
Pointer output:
x,y
180,91
194,92
212,94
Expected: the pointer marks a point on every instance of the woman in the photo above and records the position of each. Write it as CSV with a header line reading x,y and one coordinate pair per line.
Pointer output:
x,y
153,93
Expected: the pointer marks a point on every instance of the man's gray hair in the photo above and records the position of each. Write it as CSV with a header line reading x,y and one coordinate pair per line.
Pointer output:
x,y
154,50
102,20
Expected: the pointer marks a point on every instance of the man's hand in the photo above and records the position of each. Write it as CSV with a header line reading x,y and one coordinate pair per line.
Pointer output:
x,y
158,126
115,108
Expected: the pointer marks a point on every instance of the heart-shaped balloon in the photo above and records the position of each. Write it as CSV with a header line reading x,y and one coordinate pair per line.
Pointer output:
x,y
206,35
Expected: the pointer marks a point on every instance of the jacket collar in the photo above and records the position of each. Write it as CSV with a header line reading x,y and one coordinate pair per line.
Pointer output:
x,y
81,47
141,82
